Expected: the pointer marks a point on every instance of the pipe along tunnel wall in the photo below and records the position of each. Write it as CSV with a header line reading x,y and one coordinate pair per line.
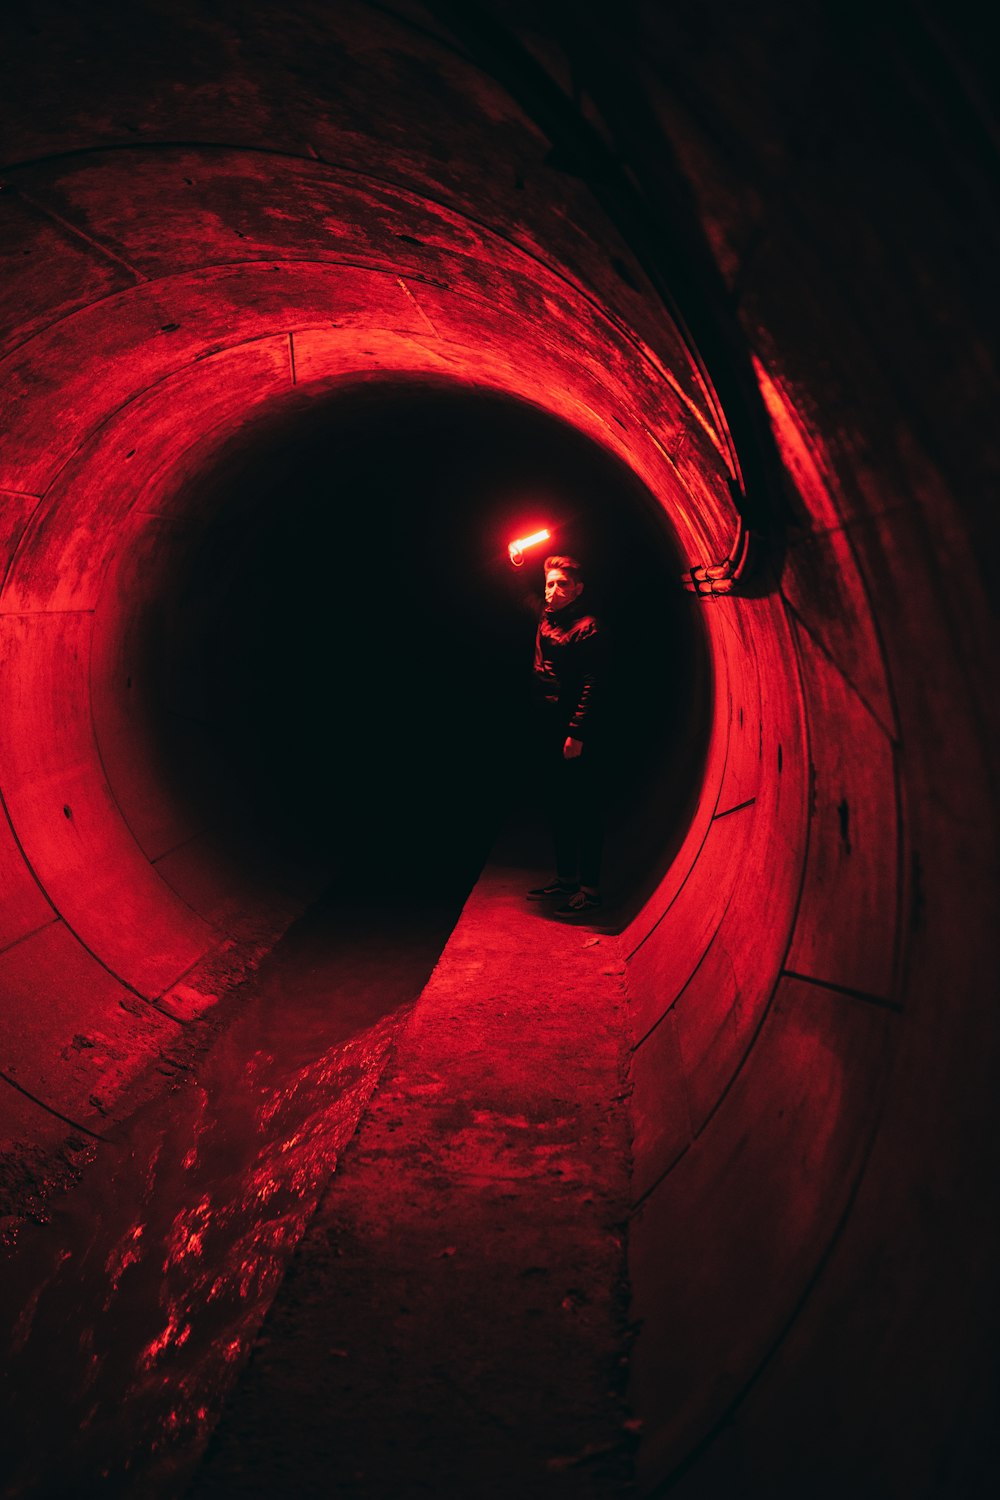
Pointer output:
x,y
242,233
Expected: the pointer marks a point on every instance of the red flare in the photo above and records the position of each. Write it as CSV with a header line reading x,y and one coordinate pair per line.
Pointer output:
x,y
517,549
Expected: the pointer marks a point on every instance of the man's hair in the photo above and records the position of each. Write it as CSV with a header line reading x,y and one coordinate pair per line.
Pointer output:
x,y
569,565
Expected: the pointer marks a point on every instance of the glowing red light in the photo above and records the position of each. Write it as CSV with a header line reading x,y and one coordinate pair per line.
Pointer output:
x,y
517,549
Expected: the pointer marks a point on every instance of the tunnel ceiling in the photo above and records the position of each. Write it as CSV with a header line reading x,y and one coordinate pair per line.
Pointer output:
x,y
751,255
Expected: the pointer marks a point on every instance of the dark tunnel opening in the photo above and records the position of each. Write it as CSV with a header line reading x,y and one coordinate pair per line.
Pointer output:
x,y
344,648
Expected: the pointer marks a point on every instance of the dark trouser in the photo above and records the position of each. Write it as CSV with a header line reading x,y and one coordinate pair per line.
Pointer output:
x,y
576,809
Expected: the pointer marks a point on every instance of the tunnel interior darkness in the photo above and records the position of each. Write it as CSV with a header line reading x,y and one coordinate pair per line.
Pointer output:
x,y
338,662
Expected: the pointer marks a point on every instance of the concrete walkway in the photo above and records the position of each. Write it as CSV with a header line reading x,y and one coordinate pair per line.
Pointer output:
x,y
454,1321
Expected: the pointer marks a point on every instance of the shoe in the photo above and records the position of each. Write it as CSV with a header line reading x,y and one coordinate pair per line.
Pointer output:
x,y
579,902
554,888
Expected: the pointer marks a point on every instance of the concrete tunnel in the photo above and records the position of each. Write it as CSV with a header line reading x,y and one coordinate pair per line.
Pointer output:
x,y
741,267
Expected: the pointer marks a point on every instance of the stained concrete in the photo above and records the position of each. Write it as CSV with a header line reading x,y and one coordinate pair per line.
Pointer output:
x,y
454,1318
128,1306
454,1321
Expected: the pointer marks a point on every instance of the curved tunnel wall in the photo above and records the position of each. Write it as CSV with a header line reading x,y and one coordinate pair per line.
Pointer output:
x,y
812,1055
157,366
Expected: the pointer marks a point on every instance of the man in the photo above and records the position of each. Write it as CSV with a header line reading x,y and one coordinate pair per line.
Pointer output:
x,y
569,660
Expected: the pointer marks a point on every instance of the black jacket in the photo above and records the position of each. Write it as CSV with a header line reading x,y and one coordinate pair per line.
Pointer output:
x,y
569,666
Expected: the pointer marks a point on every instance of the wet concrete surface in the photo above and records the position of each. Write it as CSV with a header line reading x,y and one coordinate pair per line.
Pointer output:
x,y
127,1316
453,1323
449,1309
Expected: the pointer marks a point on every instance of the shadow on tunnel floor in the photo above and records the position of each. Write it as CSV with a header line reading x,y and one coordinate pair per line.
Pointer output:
x,y
152,1275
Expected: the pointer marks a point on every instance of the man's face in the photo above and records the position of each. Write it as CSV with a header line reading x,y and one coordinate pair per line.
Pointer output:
x,y
560,589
